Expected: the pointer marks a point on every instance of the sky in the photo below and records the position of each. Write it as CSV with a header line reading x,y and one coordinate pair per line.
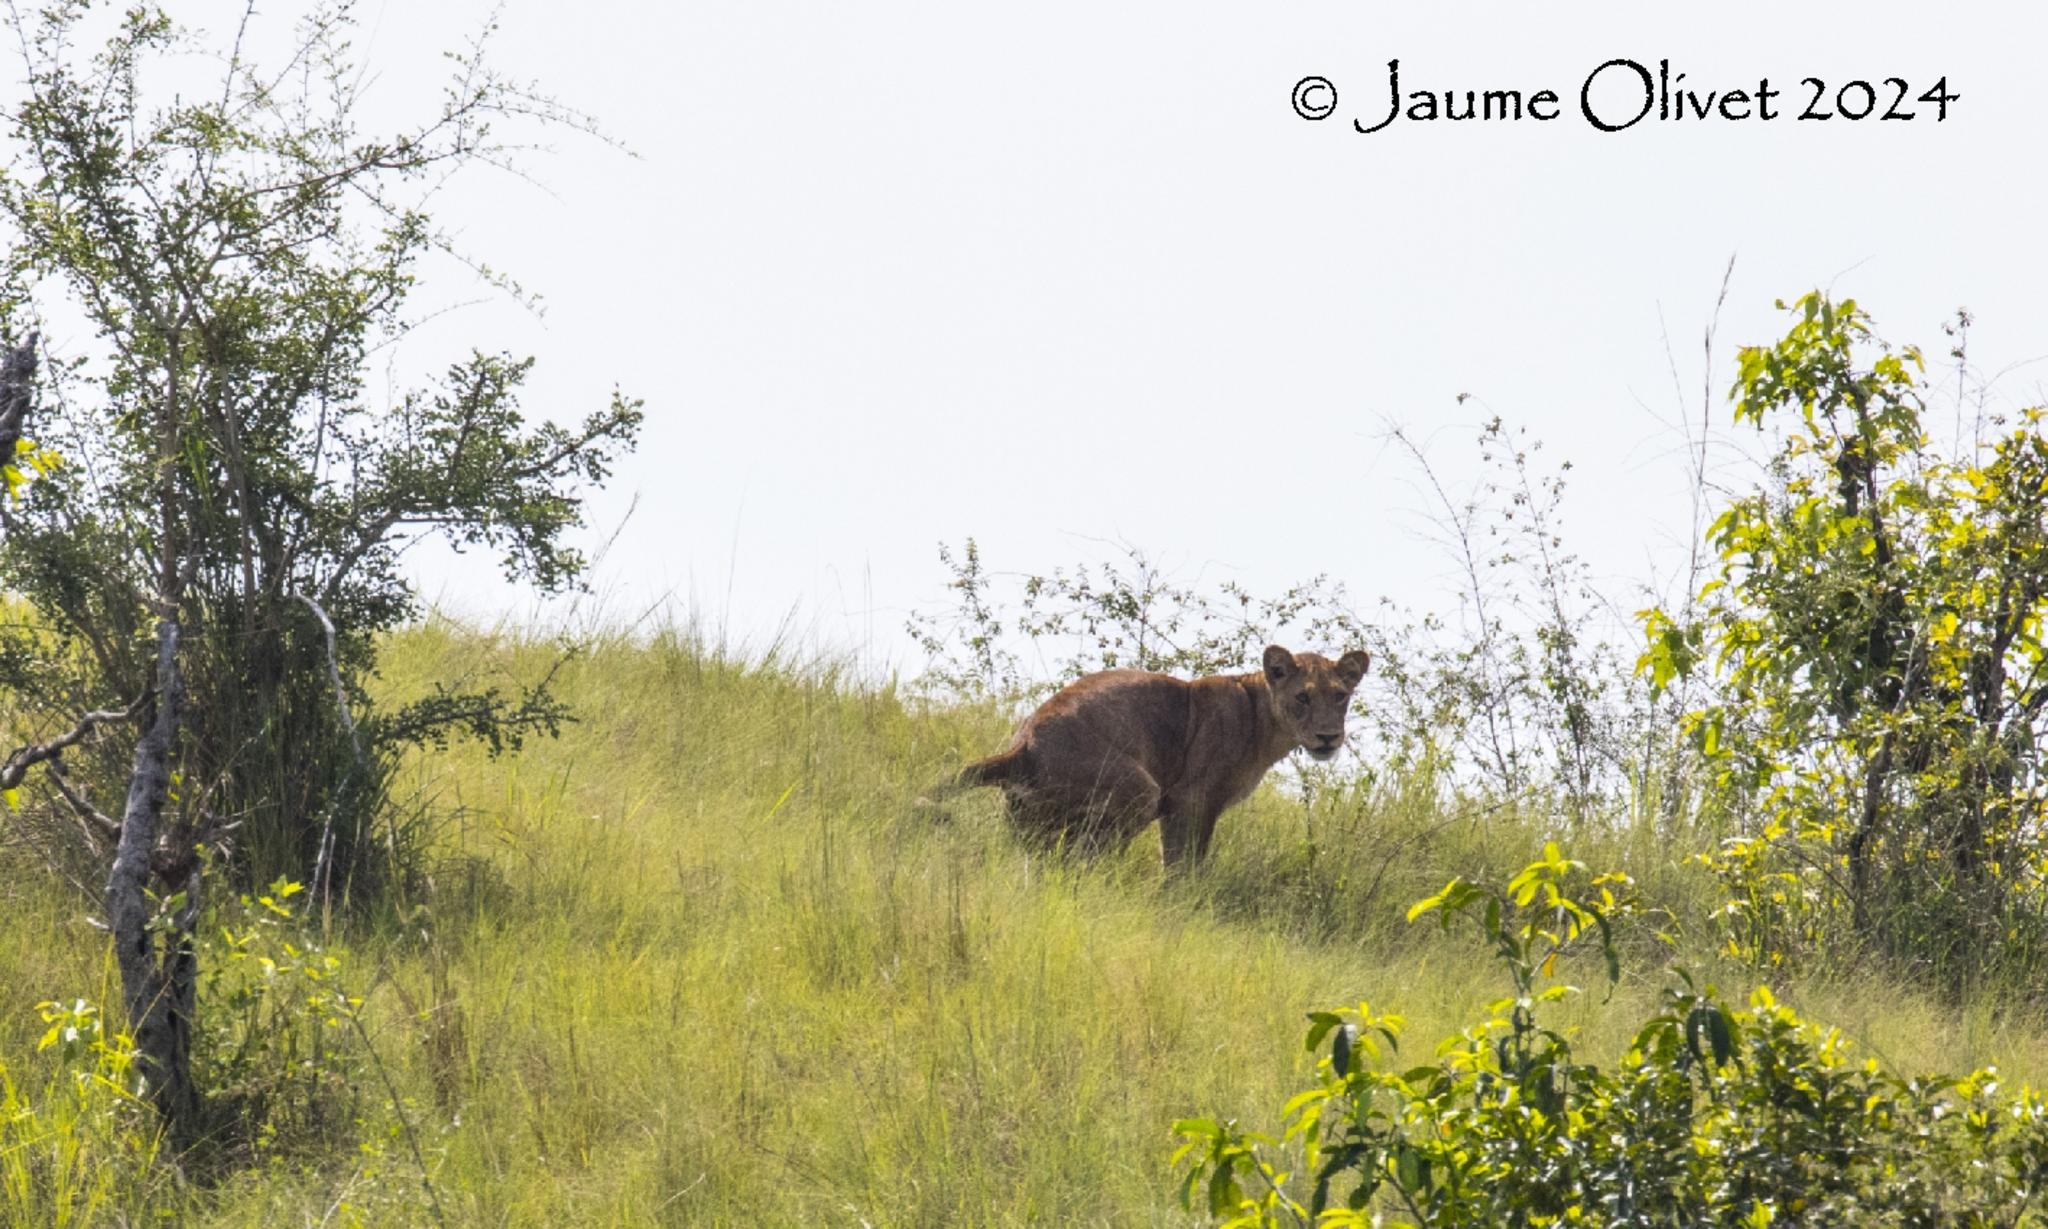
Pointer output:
x,y
1062,276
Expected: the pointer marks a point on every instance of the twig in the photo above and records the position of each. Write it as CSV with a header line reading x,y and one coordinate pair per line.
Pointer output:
x,y
105,825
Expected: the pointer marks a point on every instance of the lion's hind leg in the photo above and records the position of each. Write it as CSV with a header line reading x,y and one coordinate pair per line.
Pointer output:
x,y
1090,816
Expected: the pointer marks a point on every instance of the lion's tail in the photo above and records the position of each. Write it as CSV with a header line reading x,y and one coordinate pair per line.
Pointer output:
x,y
994,770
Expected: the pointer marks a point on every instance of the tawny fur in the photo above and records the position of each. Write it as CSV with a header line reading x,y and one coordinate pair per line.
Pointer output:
x,y
1114,751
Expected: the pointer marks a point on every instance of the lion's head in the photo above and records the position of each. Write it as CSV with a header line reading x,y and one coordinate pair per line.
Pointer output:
x,y
1312,694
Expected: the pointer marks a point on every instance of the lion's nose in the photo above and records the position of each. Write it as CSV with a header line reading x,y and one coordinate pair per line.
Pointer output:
x,y
1326,741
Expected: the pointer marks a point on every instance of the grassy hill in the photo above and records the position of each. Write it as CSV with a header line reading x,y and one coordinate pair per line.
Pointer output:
x,y
700,961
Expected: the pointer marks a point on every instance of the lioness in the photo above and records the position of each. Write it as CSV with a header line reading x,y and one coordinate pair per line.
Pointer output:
x,y
1115,750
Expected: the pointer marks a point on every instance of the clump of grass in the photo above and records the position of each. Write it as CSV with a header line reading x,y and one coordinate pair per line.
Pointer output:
x,y
76,1146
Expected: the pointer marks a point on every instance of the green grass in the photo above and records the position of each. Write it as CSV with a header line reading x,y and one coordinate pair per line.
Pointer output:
x,y
701,961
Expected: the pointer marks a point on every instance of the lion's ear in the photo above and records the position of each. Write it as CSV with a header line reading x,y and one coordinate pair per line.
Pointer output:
x,y
1352,666
1279,663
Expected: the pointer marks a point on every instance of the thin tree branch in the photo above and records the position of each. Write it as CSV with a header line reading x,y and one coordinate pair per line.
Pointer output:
x,y
96,822
17,765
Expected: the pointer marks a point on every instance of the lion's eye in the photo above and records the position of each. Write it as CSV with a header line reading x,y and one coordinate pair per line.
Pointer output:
x,y
1302,698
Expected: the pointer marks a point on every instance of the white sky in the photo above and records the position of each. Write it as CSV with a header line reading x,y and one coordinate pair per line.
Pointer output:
x,y
889,274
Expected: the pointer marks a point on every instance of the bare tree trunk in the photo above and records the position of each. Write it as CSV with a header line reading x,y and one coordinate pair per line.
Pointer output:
x,y
157,985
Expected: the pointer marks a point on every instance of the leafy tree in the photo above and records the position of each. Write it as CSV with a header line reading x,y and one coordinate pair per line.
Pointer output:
x,y
214,557
1878,622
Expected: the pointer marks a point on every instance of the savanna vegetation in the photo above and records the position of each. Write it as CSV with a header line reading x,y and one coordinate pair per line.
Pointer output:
x,y
406,922
702,961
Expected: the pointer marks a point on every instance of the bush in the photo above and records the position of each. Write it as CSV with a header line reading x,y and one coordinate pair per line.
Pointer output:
x,y
1714,1116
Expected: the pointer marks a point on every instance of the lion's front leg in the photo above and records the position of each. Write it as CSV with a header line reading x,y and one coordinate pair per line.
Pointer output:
x,y
1185,826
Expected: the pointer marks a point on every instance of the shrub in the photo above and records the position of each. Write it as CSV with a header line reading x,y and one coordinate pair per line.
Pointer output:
x,y
1714,1116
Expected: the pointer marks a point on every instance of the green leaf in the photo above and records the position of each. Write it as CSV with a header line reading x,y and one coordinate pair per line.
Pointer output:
x,y
1408,1171
1224,1193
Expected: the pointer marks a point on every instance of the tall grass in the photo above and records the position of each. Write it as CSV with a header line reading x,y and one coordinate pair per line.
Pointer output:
x,y
702,961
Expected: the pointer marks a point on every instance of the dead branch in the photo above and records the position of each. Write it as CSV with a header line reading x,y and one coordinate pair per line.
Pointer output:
x,y
17,765
324,861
